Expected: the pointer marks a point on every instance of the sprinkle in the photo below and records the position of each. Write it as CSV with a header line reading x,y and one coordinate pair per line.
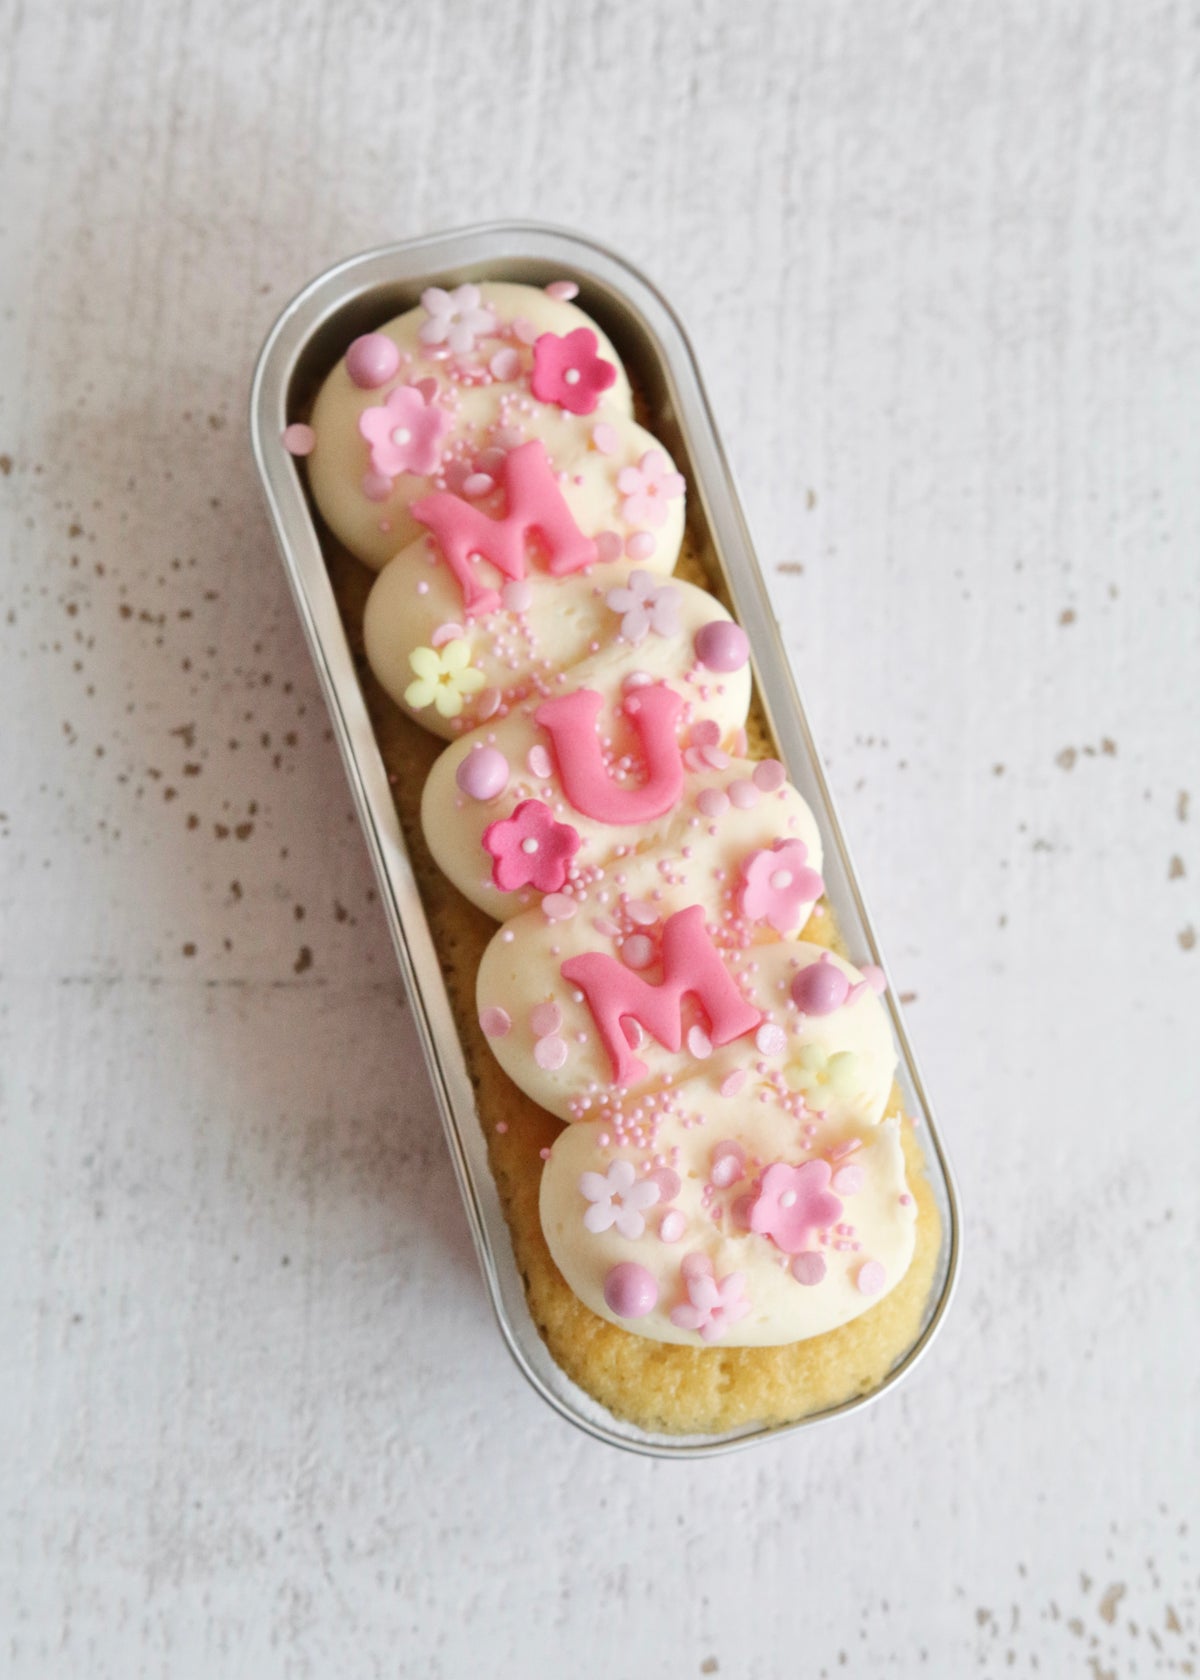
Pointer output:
x,y
711,802
770,1040
733,1082
672,1226
608,547
300,440
638,952
478,484
505,364
496,1023
550,1053
699,1043
557,907
645,915
728,1164
769,775
445,633
517,596
871,1278
640,545
808,1268
544,1019
849,1180
668,1181
562,290
744,795
604,438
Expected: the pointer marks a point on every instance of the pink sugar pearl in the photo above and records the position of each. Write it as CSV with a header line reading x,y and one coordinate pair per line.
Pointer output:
x,y
483,774
372,360
630,1291
722,646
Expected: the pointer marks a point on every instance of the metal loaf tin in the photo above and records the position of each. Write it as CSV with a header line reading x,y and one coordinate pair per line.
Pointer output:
x,y
309,337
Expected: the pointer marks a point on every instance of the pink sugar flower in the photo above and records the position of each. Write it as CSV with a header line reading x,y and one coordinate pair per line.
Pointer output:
x,y
530,849
712,1306
404,432
569,371
793,1203
647,488
456,318
618,1198
645,604
777,885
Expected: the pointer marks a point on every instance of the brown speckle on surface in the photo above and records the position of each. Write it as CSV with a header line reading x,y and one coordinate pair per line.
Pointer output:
x,y
790,568
6,465
189,950
1175,869
1182,801
1187,938
1109,1600
1066,758
1067,615
304,960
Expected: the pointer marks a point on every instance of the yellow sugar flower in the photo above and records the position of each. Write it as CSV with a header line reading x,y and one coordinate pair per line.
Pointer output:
x,y
443,676
823,1077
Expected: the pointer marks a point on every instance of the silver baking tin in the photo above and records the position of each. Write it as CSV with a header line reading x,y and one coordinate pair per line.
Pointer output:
x,y
308,338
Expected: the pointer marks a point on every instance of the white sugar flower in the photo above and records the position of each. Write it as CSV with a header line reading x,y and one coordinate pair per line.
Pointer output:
x,y
617,1200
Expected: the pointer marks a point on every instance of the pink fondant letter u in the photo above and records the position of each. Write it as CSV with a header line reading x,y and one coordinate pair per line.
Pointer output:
x,y
570,720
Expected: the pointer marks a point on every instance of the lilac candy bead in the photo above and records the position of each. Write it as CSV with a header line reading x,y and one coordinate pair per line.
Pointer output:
x,y
722,646
372,360
483,774
630,1291
820,989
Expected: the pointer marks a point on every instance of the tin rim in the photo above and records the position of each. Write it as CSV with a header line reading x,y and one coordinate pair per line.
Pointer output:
x,y
448,258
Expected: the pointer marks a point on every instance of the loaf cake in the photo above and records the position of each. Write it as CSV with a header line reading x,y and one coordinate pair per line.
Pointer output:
x,y
716,1201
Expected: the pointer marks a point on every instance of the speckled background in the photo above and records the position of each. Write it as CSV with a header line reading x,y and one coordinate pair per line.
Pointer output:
x,y
941,266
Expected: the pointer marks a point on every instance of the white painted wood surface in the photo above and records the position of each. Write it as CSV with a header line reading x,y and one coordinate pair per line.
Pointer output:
x,y
941,265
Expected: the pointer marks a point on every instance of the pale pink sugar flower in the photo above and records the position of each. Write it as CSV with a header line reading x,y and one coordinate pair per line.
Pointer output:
x,y
647,488
404,432
713,1306
779,886
618,1198
645,604
456,318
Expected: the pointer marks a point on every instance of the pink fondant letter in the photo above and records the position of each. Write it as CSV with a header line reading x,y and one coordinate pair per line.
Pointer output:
x,y
535,506
691,965
570,720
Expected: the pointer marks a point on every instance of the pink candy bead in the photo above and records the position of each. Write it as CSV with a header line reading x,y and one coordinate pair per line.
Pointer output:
x,y
630,1291
722,646
372,360
820,988
483,774
496,1023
